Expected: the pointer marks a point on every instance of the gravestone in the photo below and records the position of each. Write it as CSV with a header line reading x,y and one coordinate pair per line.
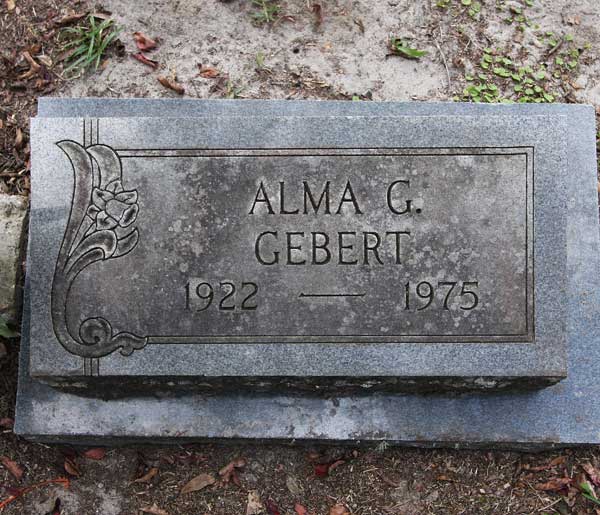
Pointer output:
x,y
266,253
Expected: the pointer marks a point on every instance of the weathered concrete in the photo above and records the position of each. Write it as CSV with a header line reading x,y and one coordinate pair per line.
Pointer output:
x,y
13,214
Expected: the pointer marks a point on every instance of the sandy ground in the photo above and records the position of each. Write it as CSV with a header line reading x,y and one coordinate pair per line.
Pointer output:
x,y
346,54
342,54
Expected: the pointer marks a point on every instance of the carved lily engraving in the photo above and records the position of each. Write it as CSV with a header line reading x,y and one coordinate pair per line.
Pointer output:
x,y
100,227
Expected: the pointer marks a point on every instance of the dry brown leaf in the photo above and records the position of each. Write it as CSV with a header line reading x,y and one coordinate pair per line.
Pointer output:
x,y
592,472
69,18
12,466
95,454
6,423
254,506
198,483
339,509
10,5
45,60
102,16
228,472
558,461
313,456
555,484
208,72
171,84
317,9
299,509
143,59
71,468
359,23
555,462
143,42
147,477
18,138
34,67
154,510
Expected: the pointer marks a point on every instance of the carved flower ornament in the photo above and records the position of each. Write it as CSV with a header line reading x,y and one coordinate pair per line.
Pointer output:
x,y
100,228
113,206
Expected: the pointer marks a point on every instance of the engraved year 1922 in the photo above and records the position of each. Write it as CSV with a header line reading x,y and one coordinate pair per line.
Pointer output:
x,y
222,295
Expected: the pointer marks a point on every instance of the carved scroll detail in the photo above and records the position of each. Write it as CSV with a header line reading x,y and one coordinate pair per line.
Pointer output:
x,y
100,227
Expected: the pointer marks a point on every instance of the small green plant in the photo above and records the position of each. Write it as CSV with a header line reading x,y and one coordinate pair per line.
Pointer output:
x,y
382,447
588,493
88,43
268,11
402,47
475,9
231,91
5,331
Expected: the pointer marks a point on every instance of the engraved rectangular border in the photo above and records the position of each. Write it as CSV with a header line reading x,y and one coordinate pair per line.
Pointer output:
x,y
527,151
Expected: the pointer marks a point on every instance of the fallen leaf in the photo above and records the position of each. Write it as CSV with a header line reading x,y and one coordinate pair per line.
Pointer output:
x,y
313,456
208,72
33,66
198,483
18,138
555,484
229,473
254,506
272,508
339,509
171,84
323,469
45,60
143,42
359,23
154,510
592,472
555,462
69,18
6,423
95,454
102,16
12,466
317,9
300,510
71,468
143,59
10,5
13,496
147,477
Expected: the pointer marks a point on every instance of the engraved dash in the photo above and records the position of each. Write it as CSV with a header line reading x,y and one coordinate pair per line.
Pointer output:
x,y
331,294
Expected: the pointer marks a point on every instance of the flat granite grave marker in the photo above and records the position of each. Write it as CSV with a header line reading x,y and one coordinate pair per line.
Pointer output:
x,y
339,253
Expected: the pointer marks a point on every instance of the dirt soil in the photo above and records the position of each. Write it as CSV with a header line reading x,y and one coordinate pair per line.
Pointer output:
x,y
324,49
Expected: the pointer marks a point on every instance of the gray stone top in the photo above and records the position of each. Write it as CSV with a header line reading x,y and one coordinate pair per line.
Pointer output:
x,y
480,266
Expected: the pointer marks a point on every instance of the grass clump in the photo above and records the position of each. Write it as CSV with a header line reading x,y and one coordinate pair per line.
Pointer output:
x,y
268,11
88,43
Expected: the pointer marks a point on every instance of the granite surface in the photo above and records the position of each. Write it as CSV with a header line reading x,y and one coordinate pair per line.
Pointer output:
x,y
152,320
565,414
